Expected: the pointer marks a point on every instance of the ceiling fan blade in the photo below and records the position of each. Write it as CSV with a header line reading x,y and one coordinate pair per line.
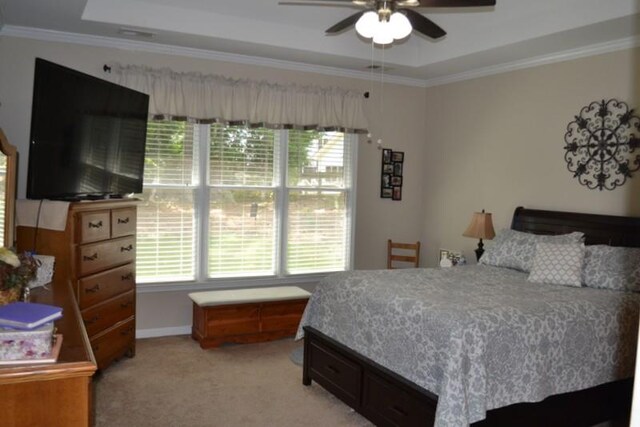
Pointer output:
x,y
331,2
423,25
316,3
345,23
456,3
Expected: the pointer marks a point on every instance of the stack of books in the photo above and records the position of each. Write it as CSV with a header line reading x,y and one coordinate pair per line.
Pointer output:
x,y
27,333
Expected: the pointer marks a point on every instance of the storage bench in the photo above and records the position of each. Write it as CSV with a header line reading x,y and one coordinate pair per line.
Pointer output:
x,y
246,315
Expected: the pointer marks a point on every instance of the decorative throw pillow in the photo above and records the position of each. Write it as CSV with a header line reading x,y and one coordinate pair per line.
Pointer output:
x,y
516,249
558,264
610,267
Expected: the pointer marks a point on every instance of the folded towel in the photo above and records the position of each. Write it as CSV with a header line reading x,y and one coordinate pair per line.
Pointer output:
x,y
53,214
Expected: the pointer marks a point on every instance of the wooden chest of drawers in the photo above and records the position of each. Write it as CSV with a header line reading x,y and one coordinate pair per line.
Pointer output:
x,y
96,254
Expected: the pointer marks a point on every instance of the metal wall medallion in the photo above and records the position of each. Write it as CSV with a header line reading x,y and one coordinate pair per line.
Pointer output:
x,y
603,144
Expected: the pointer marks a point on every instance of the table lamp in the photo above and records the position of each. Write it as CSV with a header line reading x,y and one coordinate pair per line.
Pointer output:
x,y
481,227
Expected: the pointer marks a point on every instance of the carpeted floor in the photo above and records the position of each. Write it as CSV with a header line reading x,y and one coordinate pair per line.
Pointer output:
x,y
173,382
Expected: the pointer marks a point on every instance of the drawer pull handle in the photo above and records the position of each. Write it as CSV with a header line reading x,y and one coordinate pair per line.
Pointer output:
x,y
126,248
94,319
94,288
95,224
123,220
126,304
126,277
126,331
90,257
96,348
333,370
398,411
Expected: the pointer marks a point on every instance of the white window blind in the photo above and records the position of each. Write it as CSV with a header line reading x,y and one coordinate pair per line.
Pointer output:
x,y
224,201
242,215
166,220
318,187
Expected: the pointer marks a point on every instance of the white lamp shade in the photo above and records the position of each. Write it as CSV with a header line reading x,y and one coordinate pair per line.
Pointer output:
x,y
401,27
384,33
367,25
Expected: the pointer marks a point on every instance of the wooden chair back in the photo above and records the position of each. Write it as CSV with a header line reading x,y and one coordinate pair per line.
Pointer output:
x,y
408,253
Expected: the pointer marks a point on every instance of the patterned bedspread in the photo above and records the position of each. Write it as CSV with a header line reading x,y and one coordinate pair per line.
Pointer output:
x,y
479,337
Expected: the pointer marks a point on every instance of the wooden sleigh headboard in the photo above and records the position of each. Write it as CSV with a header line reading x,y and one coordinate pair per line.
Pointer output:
x,y
598,229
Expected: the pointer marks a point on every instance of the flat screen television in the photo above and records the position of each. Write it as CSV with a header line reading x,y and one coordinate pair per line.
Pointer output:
x,y
87,136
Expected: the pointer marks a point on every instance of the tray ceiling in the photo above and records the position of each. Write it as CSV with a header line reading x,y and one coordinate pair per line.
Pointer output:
x,y
478,38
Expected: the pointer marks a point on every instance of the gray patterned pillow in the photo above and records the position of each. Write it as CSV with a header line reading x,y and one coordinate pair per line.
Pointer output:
x,y
515,249
610,267
558,264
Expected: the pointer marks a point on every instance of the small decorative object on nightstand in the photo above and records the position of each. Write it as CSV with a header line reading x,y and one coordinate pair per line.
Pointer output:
x,y
446,262
449,258
481,227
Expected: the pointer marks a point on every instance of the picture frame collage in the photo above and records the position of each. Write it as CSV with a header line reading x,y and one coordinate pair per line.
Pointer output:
x,y
391,175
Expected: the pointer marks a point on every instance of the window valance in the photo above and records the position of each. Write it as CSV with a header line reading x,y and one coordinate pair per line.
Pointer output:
x,y
212,98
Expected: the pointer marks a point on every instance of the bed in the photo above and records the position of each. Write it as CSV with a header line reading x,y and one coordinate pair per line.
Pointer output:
x,y
485,347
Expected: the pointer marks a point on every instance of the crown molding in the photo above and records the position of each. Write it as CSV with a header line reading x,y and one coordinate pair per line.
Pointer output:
x,y
135,45
567,55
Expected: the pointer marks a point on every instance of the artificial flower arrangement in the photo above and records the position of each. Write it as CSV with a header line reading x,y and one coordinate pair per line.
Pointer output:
x,y
16,271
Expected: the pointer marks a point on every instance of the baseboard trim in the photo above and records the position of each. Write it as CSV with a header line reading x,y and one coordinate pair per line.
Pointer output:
x,y
163,332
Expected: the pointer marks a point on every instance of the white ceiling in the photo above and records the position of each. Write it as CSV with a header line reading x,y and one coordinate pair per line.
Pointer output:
x,y
478,38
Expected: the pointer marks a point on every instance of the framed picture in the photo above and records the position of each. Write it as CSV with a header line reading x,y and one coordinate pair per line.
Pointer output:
x,y
386,193
449,258
397,169
397,156
397,193
386,155
391,175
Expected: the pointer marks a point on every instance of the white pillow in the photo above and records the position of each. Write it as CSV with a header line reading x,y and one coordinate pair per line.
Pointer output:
x,y
516,249
558,264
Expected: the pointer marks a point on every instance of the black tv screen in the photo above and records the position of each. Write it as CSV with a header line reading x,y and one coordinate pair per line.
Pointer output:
x,y
87,136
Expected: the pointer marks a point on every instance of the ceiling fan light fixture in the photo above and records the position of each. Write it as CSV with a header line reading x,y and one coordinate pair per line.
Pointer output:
x,y
383,31
367,25
384,34
400,26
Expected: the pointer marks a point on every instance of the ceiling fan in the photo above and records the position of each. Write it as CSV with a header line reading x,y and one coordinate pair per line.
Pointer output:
x,y
389,20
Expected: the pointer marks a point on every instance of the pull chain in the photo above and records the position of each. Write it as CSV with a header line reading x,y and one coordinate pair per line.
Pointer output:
x,y
370,84
381,94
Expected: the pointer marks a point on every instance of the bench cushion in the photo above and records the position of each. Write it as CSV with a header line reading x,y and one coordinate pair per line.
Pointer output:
x,y
251,295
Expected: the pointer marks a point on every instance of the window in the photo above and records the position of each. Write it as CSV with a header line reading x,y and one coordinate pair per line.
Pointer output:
x,y
317,203
166,219
225,201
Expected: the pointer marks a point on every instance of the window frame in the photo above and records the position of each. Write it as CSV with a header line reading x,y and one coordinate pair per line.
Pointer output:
x,y
201,191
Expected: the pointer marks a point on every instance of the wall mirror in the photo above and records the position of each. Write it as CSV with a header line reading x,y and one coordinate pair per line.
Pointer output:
x,y
8,164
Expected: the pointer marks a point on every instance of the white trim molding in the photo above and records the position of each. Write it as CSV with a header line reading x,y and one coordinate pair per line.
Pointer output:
x,y
567,55
135,45
163,332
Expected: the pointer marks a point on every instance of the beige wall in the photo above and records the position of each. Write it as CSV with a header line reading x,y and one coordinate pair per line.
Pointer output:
x,y
497,143
398,120
493,143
